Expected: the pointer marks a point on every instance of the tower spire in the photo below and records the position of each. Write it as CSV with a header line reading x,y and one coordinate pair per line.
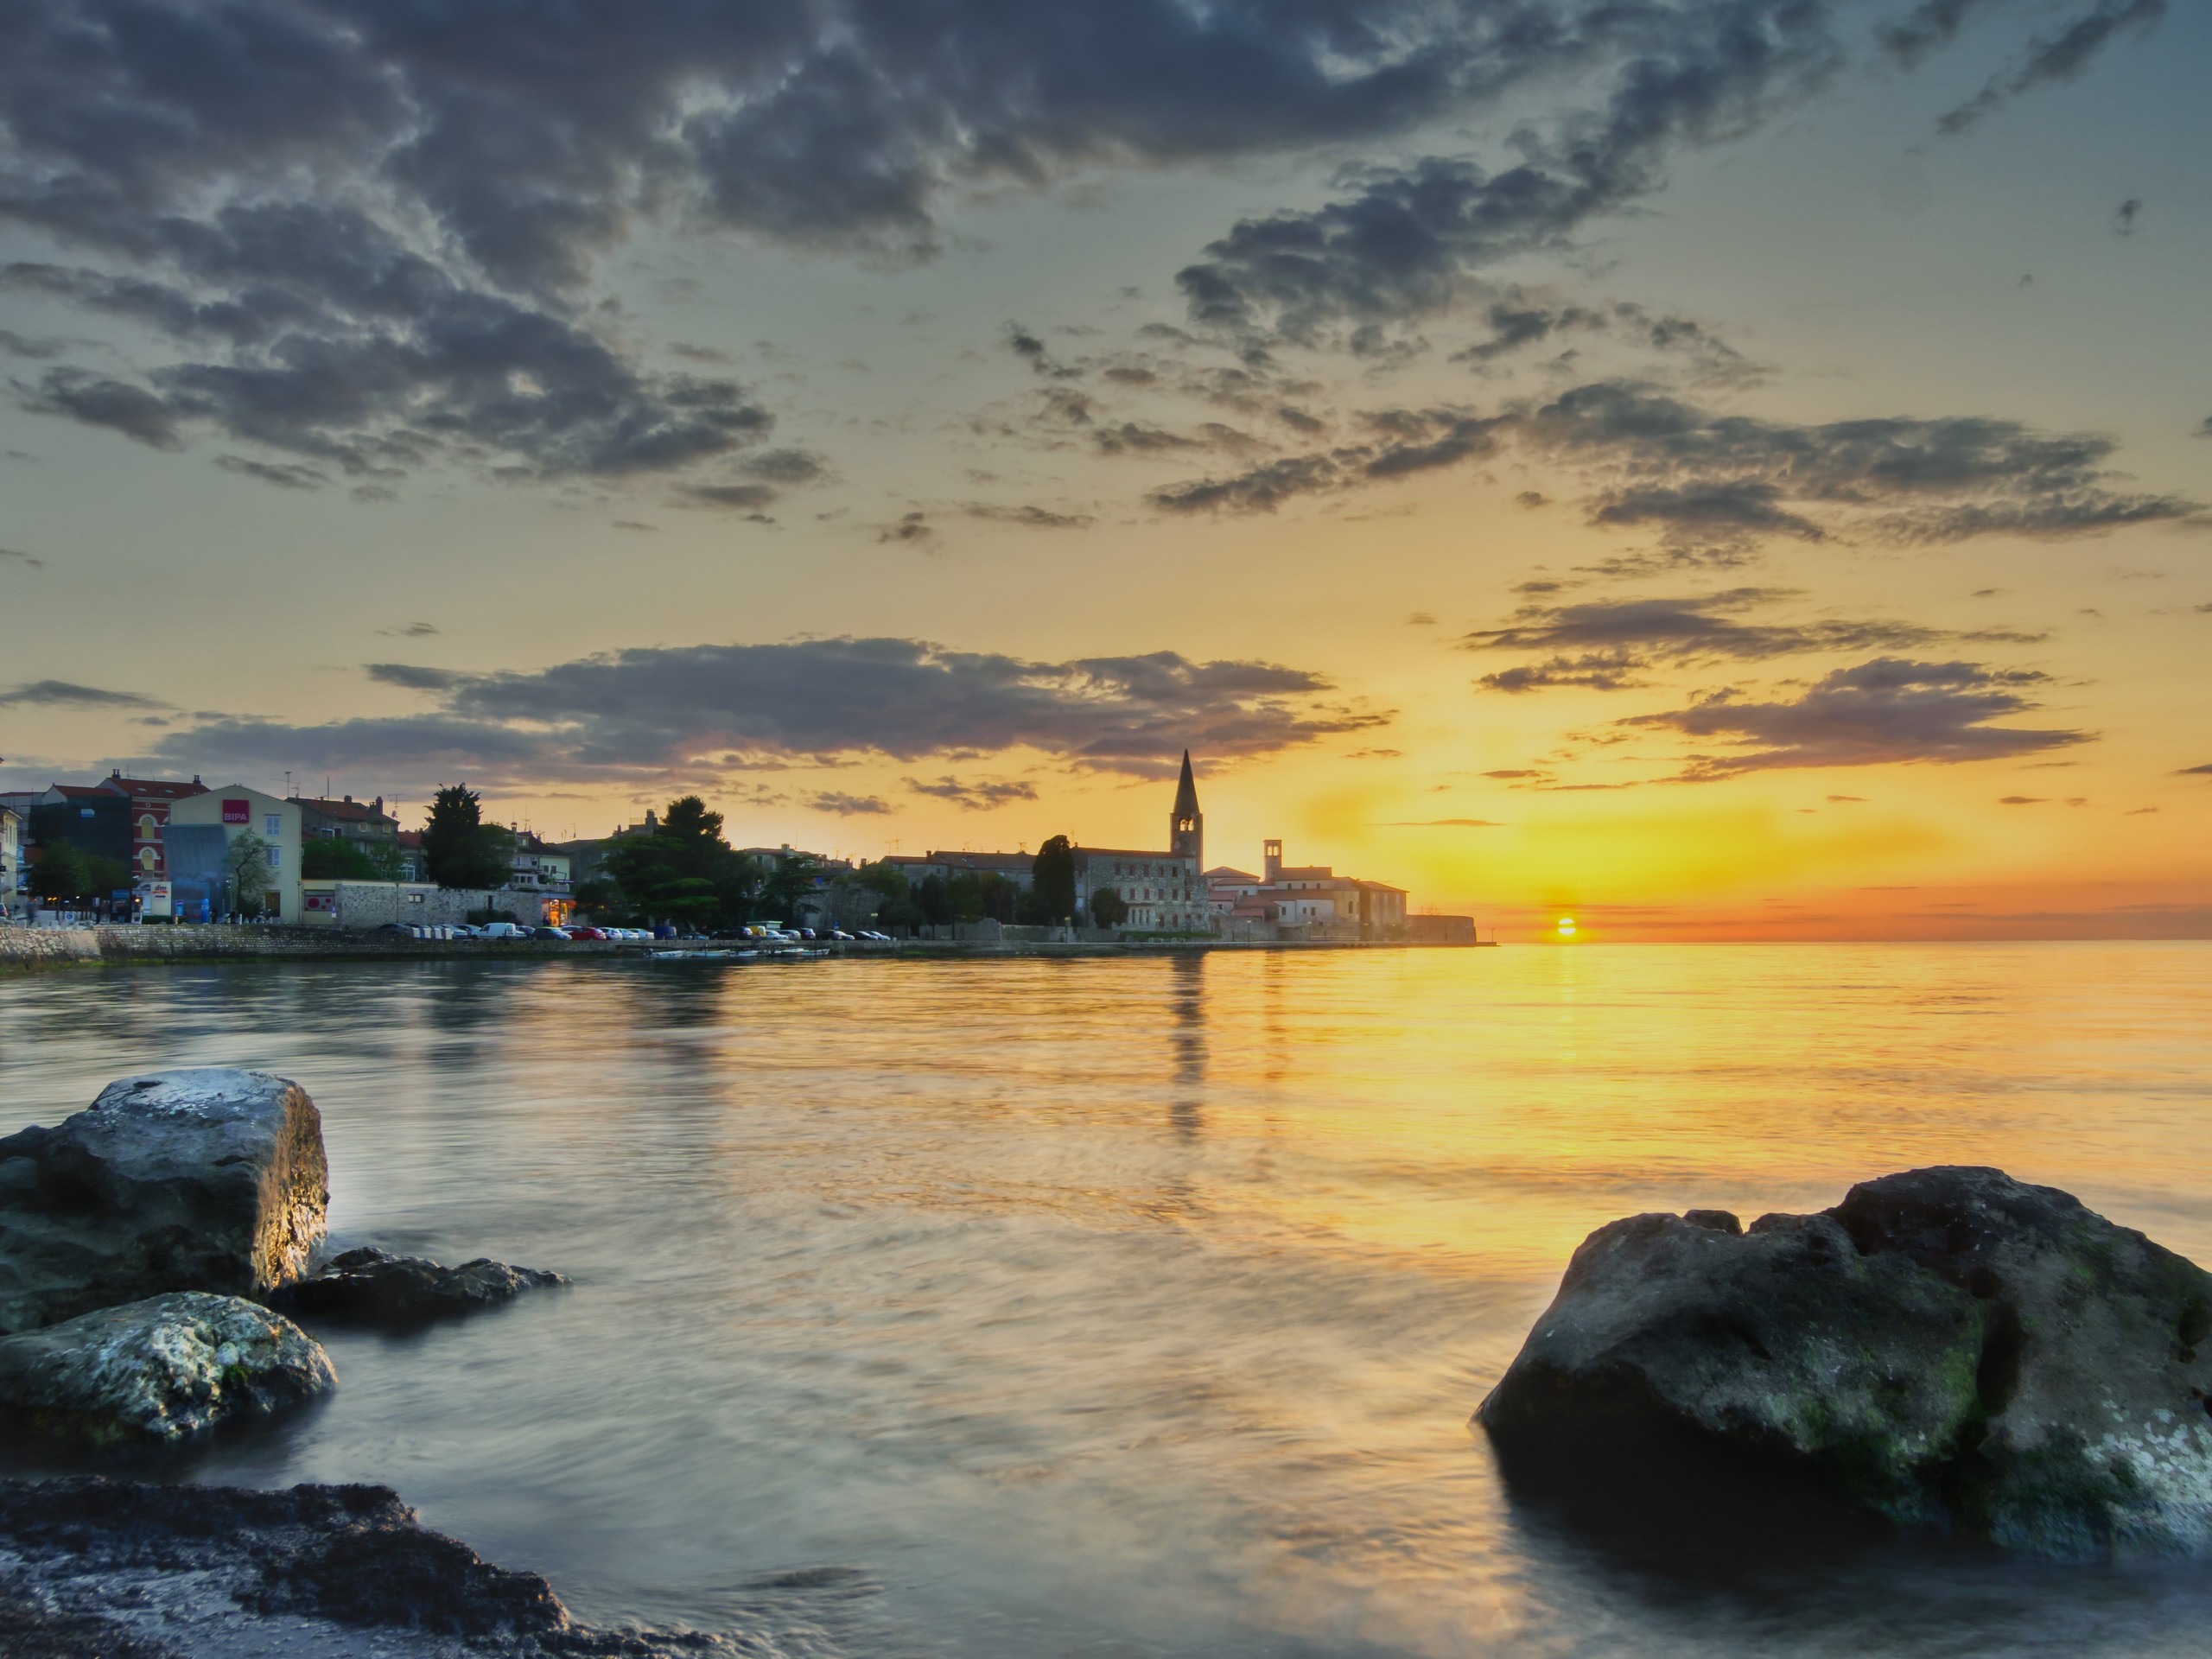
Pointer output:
x,y
1186,825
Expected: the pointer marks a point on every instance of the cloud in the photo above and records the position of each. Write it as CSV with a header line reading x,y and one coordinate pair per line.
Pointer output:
x,y
647,715
733,497
2022,800
23,559
283,476
410,631
913,528
1029,518
846,806
984,795
2195,771
1629,633
1714,483
1404,243
1598,670
2058,57
49,693
2124,217
1442,823
1885,712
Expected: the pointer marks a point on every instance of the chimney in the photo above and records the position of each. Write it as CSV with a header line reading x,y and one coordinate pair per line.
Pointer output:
x,y
377,805
117,772
349,800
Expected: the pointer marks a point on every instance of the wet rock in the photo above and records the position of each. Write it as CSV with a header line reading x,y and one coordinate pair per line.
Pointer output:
x,y
370,1285
208,1179
354,1557
1947,1347
160,1371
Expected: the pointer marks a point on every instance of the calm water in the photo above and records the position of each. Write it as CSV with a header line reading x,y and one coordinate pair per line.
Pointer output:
x,y
1105,1308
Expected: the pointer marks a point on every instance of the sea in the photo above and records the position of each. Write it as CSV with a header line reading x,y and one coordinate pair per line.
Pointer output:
x,y
1135,1305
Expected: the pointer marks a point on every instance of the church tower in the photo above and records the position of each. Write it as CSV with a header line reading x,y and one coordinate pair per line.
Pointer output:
x,y
1186,825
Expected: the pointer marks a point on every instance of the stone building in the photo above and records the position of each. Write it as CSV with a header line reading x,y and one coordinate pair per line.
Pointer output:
x,y
1165,891
1017,868
11,857
363,824
1302,901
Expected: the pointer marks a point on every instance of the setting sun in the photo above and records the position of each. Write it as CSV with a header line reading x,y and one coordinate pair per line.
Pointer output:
x,y
1566,927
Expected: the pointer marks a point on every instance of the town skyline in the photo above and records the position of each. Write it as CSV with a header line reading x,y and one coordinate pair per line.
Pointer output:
x,y
1734,471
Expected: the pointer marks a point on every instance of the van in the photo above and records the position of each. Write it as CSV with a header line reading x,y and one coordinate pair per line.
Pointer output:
x,y
504,930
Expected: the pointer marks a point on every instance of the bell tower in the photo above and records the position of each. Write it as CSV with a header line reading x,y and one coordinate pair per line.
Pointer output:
x,y
1186,825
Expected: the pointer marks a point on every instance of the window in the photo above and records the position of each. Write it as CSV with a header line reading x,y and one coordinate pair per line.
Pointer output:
x,y
273,825
276,858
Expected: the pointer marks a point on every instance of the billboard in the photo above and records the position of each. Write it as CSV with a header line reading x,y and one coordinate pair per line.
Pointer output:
x,y
238,811
157,898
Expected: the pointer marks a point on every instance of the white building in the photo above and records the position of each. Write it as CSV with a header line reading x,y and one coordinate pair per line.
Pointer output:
x,y
195,857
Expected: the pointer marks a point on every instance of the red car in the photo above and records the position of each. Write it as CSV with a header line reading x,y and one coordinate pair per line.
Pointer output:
x,y
586,933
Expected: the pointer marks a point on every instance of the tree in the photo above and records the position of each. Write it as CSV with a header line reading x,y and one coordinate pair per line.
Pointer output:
x,y
459,848
64,871
684,872
1051,881
1108,908
245,865
343,861
895,906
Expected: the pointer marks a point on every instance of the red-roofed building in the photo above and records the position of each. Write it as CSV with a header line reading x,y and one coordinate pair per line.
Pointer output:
x,y
151,799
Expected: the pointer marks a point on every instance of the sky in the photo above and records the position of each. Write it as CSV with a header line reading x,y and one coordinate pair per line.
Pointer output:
x,y
1717,468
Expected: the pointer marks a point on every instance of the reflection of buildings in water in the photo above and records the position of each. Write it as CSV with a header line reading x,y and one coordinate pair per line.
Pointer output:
x,y
1187,1041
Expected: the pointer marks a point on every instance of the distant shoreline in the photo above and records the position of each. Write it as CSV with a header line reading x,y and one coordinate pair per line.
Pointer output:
x,y
33,948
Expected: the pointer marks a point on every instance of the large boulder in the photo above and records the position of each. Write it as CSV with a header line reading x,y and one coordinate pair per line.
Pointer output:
x,y
210,1180
161,1370
1947,1347
370,1286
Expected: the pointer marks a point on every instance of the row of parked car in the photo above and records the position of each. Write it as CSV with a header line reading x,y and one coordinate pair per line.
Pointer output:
x,y
764,932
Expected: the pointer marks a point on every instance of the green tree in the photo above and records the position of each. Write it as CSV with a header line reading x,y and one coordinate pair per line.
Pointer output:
x,y
684,872
459,848
894,909
64,871
1108,908
1051,881
339,860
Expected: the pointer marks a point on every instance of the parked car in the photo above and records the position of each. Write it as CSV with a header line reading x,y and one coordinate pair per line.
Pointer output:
x,y
587,932
840,934
504,930
399,928
548,933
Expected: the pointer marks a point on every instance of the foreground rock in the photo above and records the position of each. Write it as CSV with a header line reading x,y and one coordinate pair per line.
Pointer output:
x,y
159,1371
1947,1347
369,1285
224,1570
210,1180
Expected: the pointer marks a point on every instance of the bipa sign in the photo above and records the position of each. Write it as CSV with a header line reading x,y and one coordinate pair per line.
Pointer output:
x,y
238,811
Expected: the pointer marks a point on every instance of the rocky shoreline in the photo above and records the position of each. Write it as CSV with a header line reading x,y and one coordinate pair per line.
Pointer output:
x,y
99,1569
147,1246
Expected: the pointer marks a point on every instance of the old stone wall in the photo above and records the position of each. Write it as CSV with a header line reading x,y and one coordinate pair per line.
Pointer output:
x,y
34,947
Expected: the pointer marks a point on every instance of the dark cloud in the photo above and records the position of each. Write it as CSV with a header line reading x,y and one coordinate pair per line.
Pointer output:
x,y
51,694
1714,483
414,678
101,400
1889,711
1705,627
647,715
412,631
913,528
15,344
786,466
847,806
733,497
2124,217
1401,442
2057,57
2022,800
24,559
1596,670
1029,518
981,795
2196,772
283,475
1927,27
1405,242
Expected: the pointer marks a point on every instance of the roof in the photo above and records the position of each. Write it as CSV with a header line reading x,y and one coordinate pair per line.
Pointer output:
x,y
1226,876
1161,853
159,789
84,791
1187,792
360,811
